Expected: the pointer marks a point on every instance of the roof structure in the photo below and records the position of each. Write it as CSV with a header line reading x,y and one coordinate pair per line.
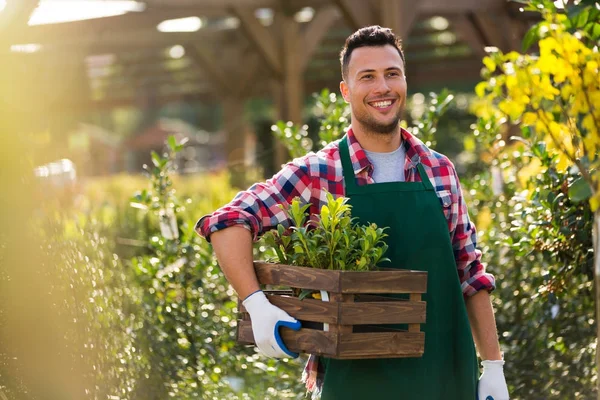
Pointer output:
x,y
233,50
246,43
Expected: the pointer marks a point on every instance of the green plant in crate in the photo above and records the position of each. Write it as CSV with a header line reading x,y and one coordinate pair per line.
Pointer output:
x,y
329,240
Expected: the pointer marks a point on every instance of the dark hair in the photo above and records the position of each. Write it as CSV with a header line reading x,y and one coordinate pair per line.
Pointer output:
x,y
371,36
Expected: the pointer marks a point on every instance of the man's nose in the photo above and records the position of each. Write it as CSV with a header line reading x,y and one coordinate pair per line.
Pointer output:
x,y
381,85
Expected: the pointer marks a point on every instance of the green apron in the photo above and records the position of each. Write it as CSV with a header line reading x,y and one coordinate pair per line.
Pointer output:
x,y
418,240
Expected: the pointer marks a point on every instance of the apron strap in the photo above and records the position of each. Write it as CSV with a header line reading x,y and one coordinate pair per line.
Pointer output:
x,y
349,177
424,178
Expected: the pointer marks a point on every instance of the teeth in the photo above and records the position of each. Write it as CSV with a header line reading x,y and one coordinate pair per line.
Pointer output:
x,y
383,104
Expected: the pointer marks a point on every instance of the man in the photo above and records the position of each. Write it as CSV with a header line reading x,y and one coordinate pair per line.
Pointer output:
x,y
394,180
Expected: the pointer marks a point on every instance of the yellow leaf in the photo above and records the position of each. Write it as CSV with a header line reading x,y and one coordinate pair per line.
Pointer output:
x,y
489,63
529,118
562,163
528,171
595,201
484,219
480,89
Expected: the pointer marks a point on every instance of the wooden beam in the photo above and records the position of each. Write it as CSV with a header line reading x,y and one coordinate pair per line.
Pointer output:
x,y
212,4
493,34
235,130
14,18
445,7
204,58
357,13
316,31
126,24
467,32
130,101
399,15
249,76
260,37
293,85
114,42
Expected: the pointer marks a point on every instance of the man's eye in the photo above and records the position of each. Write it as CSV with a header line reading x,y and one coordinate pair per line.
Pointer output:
x,y
394,74
369,76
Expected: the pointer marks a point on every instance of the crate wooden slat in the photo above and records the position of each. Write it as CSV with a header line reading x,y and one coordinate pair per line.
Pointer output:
x,y
358,312
383,281
388,312
381,344
399,281
299,277
307,309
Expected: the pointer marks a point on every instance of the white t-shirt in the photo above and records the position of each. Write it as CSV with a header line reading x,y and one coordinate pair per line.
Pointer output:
x,y
388,167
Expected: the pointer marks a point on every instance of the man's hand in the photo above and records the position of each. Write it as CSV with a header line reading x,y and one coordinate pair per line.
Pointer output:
x,y
492,384
266,320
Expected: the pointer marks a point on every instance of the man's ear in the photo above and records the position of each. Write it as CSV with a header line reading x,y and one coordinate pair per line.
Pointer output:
x,y
344,90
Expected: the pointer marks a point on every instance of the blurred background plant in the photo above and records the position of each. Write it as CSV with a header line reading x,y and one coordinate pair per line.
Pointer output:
x,y
546,183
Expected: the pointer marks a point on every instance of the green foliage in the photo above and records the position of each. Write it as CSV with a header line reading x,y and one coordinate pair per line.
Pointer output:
x,y
537,225
329,240
583,17
425,127
156,321
189,310
536,236
294,138
334,115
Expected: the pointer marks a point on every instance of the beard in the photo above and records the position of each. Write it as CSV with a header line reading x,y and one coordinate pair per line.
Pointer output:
x,y
371,125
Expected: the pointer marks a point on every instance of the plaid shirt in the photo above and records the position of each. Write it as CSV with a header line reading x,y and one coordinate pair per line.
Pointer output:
x,y
309,177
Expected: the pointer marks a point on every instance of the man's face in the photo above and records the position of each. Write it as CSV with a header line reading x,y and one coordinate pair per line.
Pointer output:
x,y
375,87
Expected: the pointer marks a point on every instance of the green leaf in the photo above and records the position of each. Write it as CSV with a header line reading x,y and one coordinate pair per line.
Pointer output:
x,y
579,190
304,293
531,37
540,150
172,142
156,160
595,32
138,205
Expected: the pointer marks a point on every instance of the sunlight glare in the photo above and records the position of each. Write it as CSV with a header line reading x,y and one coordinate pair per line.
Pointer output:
x,y
177,51
25,48
56,11
189,24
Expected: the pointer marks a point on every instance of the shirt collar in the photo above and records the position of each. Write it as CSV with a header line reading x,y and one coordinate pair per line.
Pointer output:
x,y
415,151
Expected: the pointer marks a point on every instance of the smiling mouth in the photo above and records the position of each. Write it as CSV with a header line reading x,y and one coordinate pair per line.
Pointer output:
x,y
382,105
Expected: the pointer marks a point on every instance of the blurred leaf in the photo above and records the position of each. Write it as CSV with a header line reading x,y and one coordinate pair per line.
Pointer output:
x,y
172,143
156,159
579,190
531,37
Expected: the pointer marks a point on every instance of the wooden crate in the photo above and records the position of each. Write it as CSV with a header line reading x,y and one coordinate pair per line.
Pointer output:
x,y
356,311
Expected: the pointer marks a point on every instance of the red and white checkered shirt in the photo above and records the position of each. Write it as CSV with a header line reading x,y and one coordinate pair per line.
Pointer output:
x,y
309,178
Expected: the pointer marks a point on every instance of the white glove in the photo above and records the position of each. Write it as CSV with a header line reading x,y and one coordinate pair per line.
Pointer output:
x,y
492,384
266,321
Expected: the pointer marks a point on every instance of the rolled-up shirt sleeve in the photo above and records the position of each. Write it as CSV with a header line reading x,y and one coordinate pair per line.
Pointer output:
x,y
472,274
258,208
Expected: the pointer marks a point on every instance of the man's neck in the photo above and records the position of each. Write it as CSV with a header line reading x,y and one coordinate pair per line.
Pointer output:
x,y
378,142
